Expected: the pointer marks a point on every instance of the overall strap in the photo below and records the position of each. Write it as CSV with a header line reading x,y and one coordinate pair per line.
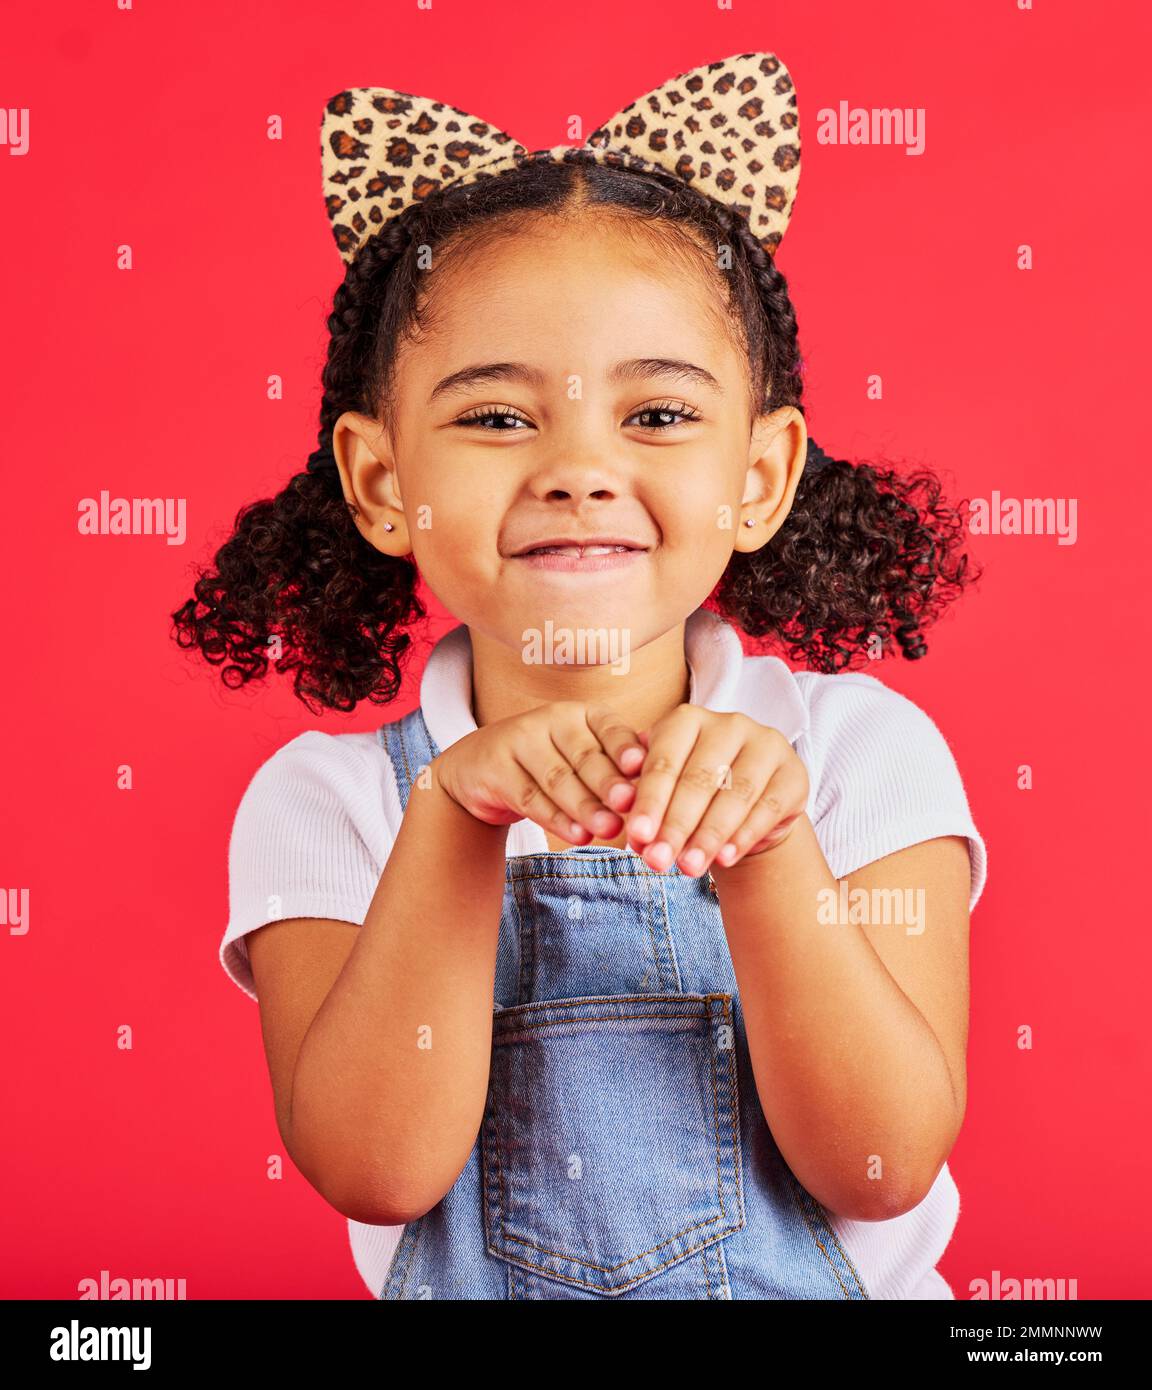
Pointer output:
x,y
410,746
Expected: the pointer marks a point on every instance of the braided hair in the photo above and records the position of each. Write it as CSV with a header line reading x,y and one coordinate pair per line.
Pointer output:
x,y
865,559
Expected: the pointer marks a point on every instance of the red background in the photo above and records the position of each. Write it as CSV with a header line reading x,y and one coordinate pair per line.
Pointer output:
x,y
148,128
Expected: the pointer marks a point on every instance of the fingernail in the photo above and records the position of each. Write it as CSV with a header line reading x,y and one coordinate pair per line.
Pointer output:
x,y
642,828
618,794
692,861
661,854
632,755
727,852
604,822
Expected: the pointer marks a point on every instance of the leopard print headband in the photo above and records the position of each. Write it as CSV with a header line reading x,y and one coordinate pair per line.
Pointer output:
x,y
731,129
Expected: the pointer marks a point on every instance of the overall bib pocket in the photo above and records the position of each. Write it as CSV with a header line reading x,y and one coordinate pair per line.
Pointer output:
x,y
611,1137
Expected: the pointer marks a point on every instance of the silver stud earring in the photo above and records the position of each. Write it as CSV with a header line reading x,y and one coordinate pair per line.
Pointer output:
x,y
388,526
750,521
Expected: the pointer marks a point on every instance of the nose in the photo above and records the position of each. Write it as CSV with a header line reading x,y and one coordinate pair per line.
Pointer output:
x,y
574,474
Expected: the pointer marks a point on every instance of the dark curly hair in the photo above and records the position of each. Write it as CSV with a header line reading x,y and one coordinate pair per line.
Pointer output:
x,y
865,559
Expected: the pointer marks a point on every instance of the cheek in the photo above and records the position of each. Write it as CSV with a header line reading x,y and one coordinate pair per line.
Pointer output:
x,y
701,516
449,526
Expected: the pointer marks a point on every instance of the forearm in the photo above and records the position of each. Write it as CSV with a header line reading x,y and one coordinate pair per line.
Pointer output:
x,y
851,1078
391,1078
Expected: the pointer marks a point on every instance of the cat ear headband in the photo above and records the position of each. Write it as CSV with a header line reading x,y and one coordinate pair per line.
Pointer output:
x,y
730,129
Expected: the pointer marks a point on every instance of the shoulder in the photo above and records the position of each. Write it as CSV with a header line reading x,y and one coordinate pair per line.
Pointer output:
x,y
864,735
322,778
830,713
853,712
320,755
882,774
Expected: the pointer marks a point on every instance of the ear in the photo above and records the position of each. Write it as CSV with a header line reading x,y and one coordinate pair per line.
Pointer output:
x,y
776,456
367,465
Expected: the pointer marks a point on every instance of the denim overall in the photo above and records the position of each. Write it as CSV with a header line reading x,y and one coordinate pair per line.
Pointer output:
x,y
623,1152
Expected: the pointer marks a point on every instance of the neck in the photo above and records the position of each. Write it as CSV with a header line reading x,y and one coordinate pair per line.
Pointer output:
x,y
657,681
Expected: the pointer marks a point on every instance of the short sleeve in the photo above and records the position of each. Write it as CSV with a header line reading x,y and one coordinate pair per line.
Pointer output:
x,y
299,844
886,777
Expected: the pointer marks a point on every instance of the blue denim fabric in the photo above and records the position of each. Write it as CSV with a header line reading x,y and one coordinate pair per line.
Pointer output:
x,y
623,1152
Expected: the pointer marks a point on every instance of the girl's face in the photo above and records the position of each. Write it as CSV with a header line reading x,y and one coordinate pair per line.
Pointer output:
x,y
571,386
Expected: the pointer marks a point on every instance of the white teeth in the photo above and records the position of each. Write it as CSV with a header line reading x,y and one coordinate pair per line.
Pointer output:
x,y
577,550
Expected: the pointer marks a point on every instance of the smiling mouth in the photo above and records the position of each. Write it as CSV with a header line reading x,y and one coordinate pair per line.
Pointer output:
x,y
577,559
580,550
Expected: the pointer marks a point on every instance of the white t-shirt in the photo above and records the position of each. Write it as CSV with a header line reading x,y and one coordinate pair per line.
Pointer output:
x,y
315,827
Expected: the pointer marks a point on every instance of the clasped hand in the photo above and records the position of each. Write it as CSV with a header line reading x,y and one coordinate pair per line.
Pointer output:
x,y
712,789
699,789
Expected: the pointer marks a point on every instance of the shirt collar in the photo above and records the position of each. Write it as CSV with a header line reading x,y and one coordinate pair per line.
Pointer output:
x,y
717,680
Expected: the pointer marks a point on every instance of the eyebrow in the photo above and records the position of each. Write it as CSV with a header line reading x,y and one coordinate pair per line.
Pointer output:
x,y
634,368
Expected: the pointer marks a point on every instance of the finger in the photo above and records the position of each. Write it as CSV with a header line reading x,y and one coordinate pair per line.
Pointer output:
x,y
621,743
533,803
705,775
581,748
670,744
742,785
776,837
770,819
557,779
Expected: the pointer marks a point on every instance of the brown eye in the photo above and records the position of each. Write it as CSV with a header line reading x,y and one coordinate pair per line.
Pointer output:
x,y
489,413
666,414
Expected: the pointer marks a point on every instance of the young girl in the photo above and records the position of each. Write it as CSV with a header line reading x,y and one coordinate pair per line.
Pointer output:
x,y
626,965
